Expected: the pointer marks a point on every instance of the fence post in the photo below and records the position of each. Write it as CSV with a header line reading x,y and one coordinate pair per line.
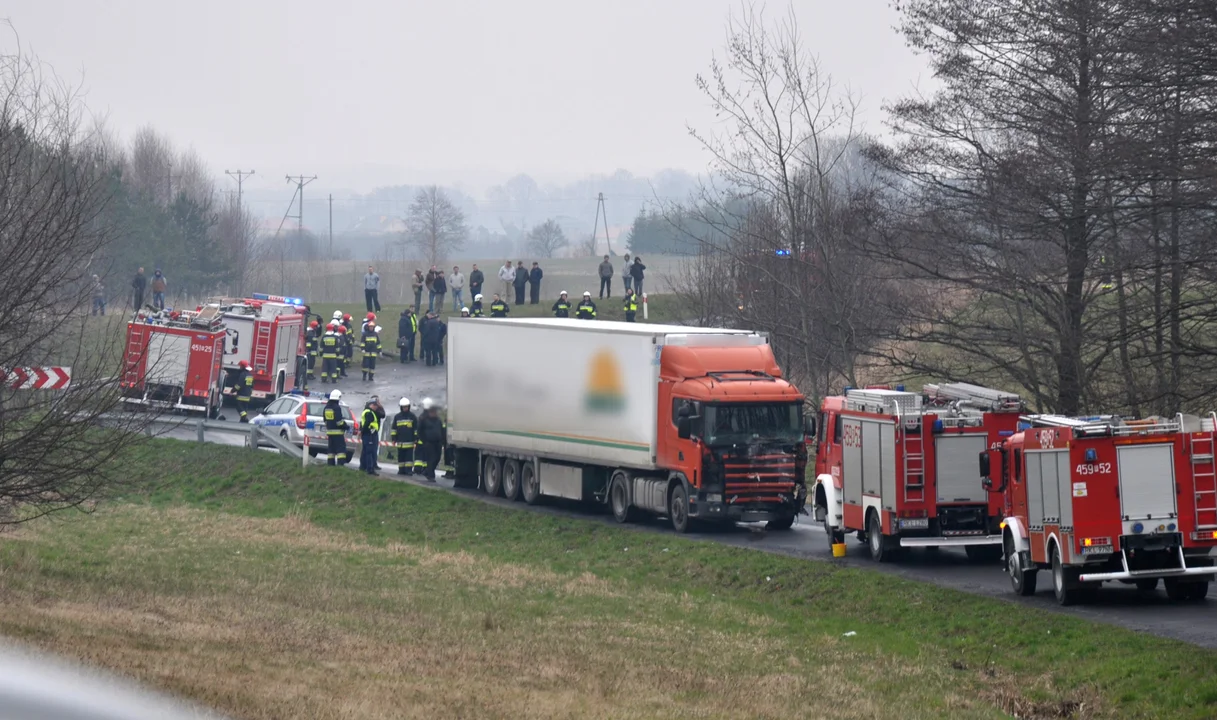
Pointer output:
x,y
645,315
252,442
201,436
304,453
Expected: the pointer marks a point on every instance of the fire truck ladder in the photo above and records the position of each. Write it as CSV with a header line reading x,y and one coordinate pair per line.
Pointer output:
x,y
1200,447
981,398
913,452
262,348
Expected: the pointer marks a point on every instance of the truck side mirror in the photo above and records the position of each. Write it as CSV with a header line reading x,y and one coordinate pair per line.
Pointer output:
x,y
684,427
984,467
809,426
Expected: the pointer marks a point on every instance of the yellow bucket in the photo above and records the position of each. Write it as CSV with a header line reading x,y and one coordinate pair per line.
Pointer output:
x,y
838,550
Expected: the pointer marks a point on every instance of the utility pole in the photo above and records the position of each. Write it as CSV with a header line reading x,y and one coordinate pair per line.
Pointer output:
x,y
240,175
601,212
168,182
331,255
300,182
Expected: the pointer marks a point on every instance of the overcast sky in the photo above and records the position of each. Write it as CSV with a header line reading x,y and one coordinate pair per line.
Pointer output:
x,y
372,92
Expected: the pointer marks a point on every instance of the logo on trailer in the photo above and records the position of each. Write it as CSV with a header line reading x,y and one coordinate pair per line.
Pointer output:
x,y
605,388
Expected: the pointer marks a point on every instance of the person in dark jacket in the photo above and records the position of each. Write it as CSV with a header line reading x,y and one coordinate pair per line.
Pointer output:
x,y
476,278
586,309
369,435
138,285
431,333
498,308
335,431
439,288
475,310
631,305
371,350
521,282
441,339
407,326
561,308
534,284
636,271
244,387
432,437
404,437
312,345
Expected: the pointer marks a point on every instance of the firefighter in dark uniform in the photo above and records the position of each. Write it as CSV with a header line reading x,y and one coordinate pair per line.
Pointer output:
x,y
404,437
330,346
243,386
369,433
348,333
561,308
631,305
312,344
498,308
371,348
432,437
335,430
475,310
586,309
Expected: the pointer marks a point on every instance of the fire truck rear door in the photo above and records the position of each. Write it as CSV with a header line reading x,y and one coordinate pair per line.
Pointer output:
x,y
1147,481
168,357
851,459
957,475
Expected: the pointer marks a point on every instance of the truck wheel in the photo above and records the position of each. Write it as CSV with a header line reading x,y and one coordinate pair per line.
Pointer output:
x,y
619,498
782,523
678,508
492,477
1023,581
530,489
880,547
1063,582
983,554
1184,590
511,479
1200,590
1147,584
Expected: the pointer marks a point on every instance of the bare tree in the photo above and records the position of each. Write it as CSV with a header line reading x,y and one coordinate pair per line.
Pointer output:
x,y
434,225
55,185
150,165
236,233
779,231
546,239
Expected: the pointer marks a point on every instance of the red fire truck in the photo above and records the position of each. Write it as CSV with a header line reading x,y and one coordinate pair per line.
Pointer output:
x,y
173,360
269,334
1104,498
899,469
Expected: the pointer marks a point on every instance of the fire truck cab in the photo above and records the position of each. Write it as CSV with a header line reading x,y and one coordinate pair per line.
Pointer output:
x,y
899,468
269,335
1104,498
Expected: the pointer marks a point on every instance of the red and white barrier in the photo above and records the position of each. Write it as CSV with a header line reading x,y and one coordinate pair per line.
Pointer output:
x,y
37,378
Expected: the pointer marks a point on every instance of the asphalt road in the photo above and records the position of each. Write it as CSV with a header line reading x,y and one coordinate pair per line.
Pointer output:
x,y
1117,604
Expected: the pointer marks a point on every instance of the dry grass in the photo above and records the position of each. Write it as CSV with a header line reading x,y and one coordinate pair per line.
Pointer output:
x,y
277,618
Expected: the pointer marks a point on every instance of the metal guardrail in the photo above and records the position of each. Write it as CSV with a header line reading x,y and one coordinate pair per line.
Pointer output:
x,y
255,435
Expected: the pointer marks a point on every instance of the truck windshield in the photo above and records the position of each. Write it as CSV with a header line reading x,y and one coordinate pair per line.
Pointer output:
x,y
739,423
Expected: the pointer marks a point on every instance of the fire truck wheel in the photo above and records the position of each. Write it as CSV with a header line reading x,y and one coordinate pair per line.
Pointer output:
x,y
784,522
530,488
1200,590
1147,584
1023,581
881,548
619,498
492,475
511,479
983,554
834,536
678,508
1064,581
1183,590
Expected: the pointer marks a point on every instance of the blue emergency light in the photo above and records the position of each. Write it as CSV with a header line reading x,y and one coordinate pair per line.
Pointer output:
x,y
782,253
278,298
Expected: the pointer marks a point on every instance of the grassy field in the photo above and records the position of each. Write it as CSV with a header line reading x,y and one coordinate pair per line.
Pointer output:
x,y
267,592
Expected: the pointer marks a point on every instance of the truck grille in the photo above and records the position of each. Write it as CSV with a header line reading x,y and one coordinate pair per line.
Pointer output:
x,y
760,478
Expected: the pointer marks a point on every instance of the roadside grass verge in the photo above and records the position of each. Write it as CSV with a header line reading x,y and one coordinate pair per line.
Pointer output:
x,y
242,582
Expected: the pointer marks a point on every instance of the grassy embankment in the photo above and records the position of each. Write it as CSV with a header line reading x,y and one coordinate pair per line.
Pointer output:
x,y
265,592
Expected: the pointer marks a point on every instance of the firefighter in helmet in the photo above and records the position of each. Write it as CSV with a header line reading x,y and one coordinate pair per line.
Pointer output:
x,y
498,308
330,347
335,430
348,333
369,434
404,437
244,386
586,309
312,345
368,323
561,307
464,312
371,348
432,438
475,310
631,305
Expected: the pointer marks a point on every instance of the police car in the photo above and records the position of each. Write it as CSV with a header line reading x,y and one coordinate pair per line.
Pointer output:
x,y
296,414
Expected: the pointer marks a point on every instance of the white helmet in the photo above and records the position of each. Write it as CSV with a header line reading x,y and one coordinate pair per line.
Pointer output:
x,y
335,394
377,328
564,292
587,293
477,297
404,402
337,314
464,309
428,404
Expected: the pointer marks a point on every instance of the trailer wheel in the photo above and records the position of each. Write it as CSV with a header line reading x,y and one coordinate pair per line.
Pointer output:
x,y
881,549
678,508
530,489
1064,584
983,554
511,479
492,477
1023,581
781,523
1147,584
619,498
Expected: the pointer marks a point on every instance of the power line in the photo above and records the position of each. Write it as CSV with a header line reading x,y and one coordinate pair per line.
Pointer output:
x,y
240,175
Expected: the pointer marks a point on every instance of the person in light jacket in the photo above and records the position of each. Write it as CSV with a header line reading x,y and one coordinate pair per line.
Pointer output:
x,y
371,290
456,285
627,280
416,284
507,274
606,278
